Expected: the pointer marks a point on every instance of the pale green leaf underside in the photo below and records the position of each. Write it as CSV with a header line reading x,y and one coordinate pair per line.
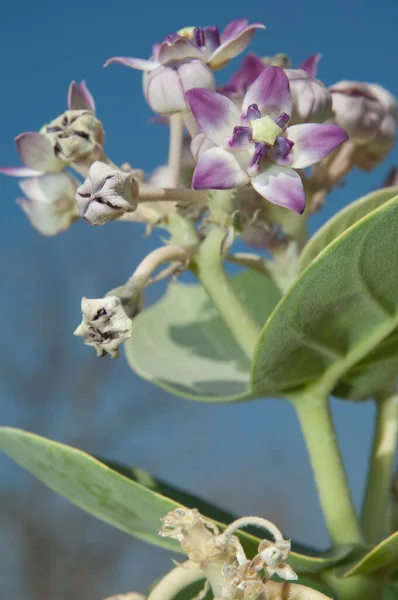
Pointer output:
x,y
116,499
381,556
181,343
340,222
342,310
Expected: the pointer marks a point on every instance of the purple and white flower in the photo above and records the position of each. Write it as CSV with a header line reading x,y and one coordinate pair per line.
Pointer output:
x,y
37,150
256,145
312,101
186,60
205,44
49,202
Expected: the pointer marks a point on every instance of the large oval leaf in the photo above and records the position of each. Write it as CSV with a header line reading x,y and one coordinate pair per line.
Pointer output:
x,y
381,556
119,500
340,222
182,344
341,309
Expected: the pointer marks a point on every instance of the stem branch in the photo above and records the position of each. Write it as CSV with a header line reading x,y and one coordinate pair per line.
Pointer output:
x,y
375,506
209,270
181,195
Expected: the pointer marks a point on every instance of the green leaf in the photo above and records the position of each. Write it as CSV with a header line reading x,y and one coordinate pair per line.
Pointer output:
x,y
342,310
382,556
340,222
182,344
128,504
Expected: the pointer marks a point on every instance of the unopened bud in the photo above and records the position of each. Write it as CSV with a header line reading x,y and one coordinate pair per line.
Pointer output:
x,y
105,325
76,136
369,114
166,85
106,194
312,101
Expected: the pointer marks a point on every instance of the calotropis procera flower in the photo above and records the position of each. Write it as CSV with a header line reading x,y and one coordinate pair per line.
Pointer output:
x,y
311,100
49,202
369,113
106,194
205,44
185,60
105,325
256,146
37,151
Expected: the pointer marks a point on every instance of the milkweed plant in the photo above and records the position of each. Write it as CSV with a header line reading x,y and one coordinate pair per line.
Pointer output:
x,y
250,161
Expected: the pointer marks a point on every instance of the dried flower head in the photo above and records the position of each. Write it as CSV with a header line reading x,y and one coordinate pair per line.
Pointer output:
x,y
76,136
105,325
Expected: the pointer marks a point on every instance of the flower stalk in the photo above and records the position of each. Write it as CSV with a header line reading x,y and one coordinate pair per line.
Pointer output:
x,y
377,497
315,417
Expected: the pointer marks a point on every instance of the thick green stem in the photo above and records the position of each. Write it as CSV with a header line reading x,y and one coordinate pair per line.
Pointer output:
x,y
208,268
377,497
316,421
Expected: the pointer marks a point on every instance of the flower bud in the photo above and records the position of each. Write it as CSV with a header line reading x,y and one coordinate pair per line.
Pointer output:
x,y
166,85
106,194
76,136
369,114
49,202
105,325
312,101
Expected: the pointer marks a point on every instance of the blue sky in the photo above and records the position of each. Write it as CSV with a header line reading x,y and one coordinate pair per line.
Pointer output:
x,y
46,44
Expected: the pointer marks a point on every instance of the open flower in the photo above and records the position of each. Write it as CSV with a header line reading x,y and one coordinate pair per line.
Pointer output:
x,y
311,100
49,202
256,146
205,44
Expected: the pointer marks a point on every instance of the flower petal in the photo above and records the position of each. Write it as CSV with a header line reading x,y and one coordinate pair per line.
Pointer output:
x,y
37,153
20,171
271,92
50,205
164,91
313,142
218,169
215,114
79,98
310,64
282,186
199,145
178,48
134,63
286,572
49,187
249,70
234,40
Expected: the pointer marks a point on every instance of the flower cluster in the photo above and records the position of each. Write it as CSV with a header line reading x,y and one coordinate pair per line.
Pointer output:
x,y
272,138
222,559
